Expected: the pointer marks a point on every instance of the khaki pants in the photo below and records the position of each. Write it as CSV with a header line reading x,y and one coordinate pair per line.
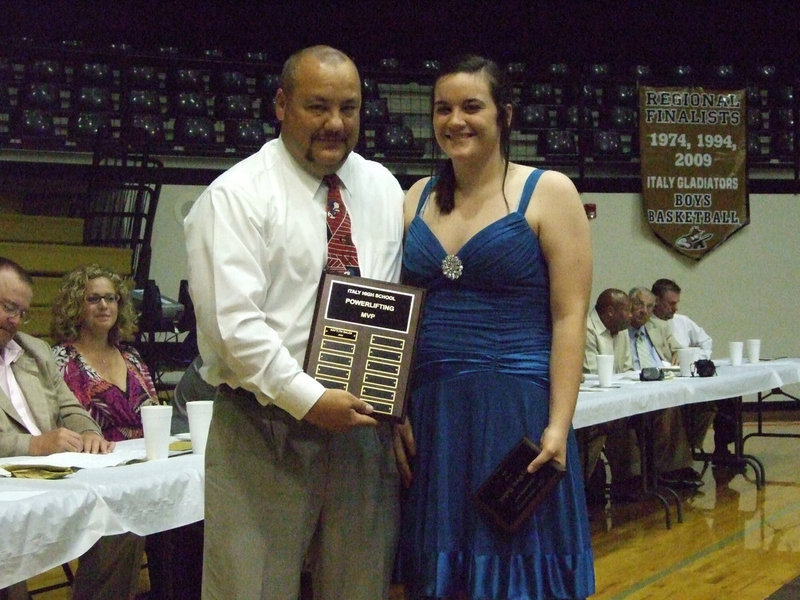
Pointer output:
x,y
278,489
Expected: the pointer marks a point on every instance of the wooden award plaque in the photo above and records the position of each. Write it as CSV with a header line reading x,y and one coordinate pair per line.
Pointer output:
x,y
362,340
510,494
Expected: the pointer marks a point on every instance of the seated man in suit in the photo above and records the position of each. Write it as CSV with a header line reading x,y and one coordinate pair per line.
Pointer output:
x,y
653,345
697,418
606,333
39,415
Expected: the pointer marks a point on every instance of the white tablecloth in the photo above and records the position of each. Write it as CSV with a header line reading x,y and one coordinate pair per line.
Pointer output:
x,y
636,397
44,523
47,522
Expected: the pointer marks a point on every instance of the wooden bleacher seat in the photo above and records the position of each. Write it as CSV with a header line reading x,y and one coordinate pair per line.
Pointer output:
x,y
50,230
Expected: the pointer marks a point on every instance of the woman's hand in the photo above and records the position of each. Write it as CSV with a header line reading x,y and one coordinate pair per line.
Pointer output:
x,y
553,444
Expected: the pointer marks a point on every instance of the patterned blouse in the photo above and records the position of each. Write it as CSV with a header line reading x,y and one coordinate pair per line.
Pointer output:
x,y
114,409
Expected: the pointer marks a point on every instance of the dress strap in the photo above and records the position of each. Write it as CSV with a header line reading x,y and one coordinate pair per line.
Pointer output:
x,y
527,191
423,198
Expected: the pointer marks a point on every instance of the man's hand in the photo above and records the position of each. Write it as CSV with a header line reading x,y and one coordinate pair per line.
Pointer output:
x,y
94,443
404,449
56,440
339,410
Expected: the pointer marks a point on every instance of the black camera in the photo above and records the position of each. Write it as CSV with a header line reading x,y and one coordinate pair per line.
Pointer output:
x,y
651,374
705,368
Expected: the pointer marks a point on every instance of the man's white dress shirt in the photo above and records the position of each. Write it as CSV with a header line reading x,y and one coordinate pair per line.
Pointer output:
x,y
9,384
689,334
256,242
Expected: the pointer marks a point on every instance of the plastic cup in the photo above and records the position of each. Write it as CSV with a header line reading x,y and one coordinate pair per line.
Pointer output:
x,y
199,412
156,422
605,369
735,352
685,360
752,350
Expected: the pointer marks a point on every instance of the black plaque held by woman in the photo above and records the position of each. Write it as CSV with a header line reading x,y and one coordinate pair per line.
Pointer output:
x,y
510,494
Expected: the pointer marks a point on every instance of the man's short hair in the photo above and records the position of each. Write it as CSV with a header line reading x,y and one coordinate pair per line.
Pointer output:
x,y
662,286
7,263
324,54
636,293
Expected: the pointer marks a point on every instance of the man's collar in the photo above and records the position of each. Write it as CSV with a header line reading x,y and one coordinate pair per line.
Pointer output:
x,y
595,316
10,352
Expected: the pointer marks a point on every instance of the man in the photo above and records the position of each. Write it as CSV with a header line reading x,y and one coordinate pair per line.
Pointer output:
x,y
688,333
39,415
292,469
611,315
653,345
606,333
697,418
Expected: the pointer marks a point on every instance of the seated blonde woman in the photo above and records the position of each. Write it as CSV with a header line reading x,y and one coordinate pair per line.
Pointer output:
x,y
93,317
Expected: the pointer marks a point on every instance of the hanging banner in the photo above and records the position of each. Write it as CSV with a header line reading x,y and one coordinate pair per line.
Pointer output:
x,y
693,158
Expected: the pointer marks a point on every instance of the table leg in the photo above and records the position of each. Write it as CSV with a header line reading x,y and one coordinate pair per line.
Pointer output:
x,y
650,485
760,417
749,459
739,460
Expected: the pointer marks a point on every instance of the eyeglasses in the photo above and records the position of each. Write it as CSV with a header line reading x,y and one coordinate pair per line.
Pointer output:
x,y
13,311
109,298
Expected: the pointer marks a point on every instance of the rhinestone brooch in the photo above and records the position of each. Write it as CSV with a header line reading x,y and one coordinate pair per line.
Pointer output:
x,y
452,267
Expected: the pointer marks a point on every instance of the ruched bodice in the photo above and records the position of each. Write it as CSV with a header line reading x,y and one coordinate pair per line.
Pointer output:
x,y
496,315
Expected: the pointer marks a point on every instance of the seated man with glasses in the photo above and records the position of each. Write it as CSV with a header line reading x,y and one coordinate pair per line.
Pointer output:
x,y
39,415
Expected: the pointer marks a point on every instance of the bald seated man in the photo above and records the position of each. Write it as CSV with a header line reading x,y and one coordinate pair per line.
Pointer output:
x,y
610,316
606,333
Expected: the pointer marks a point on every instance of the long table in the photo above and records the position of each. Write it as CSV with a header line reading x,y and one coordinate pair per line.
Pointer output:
x,y
637,397
46,523
632,397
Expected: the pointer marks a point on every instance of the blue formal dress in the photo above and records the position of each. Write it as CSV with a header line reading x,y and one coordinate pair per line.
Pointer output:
x,y
480,383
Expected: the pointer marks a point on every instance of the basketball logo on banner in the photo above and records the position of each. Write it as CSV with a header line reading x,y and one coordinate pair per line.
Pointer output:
x,y
693,159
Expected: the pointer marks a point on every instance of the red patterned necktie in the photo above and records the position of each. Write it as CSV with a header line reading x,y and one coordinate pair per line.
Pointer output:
x,y
342,255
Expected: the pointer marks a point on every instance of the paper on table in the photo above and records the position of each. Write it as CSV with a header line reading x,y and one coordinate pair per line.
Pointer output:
x,y
79,460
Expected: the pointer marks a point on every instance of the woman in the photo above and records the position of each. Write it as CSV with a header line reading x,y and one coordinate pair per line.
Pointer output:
x,y
504,253
92,318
